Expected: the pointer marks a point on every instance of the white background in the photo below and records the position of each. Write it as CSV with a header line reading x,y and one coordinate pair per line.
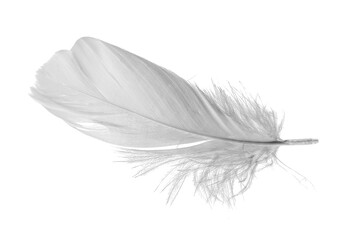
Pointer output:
x,y
301,57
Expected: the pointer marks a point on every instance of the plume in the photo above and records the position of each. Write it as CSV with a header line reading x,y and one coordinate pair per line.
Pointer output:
x,y
218,138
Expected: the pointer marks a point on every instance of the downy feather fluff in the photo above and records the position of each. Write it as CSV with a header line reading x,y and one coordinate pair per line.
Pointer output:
x,y
217,137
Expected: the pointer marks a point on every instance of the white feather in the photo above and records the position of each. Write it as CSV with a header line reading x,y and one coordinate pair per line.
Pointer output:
x,y
148,111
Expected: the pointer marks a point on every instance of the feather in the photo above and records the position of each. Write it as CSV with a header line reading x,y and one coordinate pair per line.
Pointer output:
x,y
218,137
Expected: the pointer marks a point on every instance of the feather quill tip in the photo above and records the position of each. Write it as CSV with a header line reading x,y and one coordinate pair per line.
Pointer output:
x,y
306,141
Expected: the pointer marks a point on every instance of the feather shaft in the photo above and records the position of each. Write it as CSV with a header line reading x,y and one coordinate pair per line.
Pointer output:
x,y
305,141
